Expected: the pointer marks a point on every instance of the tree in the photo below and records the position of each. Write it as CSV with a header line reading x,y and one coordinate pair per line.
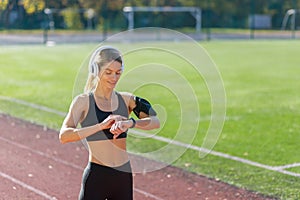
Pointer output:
x,y
3,4
72,18
106,10
33,6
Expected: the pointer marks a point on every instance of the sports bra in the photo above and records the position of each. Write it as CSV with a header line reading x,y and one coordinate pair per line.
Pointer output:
x,y
96,115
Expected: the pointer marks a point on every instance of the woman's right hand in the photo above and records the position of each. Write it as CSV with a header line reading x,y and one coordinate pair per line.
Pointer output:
x,y
110,120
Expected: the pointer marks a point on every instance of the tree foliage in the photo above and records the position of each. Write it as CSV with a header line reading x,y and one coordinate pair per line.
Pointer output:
x,y
215,13
32,6
72,18
3,4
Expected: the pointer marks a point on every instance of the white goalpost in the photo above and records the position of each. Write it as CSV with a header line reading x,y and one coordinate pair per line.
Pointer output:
x,y
291,13
195,12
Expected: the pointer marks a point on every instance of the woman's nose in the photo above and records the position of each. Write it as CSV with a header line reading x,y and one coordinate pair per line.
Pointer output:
x,y
114,76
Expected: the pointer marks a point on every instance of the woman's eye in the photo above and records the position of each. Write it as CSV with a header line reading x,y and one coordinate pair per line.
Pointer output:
x,y
111,72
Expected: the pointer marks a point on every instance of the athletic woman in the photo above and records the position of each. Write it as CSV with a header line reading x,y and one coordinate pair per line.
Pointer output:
x,y
103,115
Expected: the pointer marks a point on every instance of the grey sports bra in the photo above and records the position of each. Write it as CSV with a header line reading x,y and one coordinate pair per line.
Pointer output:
x,y
95,115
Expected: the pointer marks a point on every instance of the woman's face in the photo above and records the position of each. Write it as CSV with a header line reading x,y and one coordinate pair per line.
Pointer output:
x,y
110,74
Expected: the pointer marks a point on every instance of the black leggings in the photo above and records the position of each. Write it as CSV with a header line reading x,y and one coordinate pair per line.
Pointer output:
x,y
101,182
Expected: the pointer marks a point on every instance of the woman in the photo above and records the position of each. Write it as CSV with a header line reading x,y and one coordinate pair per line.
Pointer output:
x,y
103,114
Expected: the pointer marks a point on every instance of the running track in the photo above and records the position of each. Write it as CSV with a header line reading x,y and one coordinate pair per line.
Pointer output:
x,y
34,165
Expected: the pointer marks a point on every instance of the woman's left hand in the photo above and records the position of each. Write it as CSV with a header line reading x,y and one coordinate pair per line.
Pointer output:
x,y
119,127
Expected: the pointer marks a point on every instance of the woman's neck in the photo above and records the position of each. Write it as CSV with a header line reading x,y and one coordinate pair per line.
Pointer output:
x,y
106,100
103,93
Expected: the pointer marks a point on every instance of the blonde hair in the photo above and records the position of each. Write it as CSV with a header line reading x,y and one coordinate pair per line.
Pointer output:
x,y
100,57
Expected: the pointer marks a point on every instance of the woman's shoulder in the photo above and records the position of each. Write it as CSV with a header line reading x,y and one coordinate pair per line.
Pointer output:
x,y
128,98
126,94
81,99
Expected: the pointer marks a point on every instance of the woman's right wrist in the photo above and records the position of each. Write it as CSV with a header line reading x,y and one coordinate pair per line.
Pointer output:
x,y
99,126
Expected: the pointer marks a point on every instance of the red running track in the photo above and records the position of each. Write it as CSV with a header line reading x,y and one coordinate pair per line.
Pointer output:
x,y
34,165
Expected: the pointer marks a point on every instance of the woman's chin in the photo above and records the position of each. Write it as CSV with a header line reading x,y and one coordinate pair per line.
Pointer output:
x,y
112,86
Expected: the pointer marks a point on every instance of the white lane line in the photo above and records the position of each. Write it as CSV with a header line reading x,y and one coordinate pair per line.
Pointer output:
x,y
65,163
288,166
215,153
24,185
163,139
147,194
40,153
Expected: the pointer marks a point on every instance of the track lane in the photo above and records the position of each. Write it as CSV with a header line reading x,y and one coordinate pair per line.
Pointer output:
x,y
11,190
33,155
22,142
39,172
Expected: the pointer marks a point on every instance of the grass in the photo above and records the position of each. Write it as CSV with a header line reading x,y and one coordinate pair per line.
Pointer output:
x,y
263,104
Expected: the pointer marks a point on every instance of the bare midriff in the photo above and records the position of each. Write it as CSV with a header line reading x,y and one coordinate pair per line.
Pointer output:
x,y
110,153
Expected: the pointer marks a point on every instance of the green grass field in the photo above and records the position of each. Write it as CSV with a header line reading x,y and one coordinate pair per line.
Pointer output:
x,y
261,79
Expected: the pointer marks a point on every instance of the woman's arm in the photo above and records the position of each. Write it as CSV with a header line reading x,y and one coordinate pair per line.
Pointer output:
x,y
71,134
147,116
147,123
69,131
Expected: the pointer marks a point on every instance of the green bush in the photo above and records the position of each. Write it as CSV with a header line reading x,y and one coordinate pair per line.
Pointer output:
x,y
72,18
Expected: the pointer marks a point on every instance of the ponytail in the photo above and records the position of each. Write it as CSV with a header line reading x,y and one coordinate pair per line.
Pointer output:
x,y
91,83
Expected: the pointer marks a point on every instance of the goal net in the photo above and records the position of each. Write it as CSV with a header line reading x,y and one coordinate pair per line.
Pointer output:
x,y
195,12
